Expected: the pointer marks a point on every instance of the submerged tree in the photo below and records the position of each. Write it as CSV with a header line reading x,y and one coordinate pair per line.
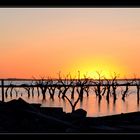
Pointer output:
x,y
137,83
108,89
8,87
51,87
127,85
43,86
114,86
73,105
82,86
28,91
65,84
16,91
98,88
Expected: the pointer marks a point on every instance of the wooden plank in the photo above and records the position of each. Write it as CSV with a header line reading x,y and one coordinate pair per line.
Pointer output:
x,y
2,89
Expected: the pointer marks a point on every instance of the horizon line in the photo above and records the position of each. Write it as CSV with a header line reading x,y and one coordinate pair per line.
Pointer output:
x,y
35,79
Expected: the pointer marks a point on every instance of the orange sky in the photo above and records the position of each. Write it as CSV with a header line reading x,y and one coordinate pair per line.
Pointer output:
x,y
43,41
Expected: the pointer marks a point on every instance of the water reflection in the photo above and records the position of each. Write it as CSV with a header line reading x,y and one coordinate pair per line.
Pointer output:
x,y
81,104
64,104
138,107
108,107
114,107
91,103
99,105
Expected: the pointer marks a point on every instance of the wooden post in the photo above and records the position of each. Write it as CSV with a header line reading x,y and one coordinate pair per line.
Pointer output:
x,y
2,89
138,97
138,89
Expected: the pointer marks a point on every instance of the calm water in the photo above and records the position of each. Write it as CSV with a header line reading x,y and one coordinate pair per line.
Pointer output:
x,y
90,103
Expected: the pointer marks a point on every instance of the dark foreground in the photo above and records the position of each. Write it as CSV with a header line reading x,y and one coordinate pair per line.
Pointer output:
x,y
18,116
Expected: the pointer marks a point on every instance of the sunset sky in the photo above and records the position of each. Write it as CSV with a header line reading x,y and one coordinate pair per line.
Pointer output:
x,y
43,41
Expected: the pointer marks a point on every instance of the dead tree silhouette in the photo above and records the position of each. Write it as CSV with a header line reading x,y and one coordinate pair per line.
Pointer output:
x,y
51,88
28,91
86,89
32,88
81,86
72,88
73,105
16,91
11,91
108,88
66,83
98,86
72,91
38,92
114,86
60,88
104,90
37,82
137,82
127,84
6,91
86,86
43,86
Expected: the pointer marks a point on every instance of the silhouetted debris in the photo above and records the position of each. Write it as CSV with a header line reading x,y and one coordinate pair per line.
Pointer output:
x,y
53,111
19,116
79,113
36,105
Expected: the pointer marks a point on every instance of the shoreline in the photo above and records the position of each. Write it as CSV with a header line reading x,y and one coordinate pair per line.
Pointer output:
x,y
18,116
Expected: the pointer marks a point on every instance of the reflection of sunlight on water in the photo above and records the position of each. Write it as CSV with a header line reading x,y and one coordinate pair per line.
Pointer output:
x,y
64,104
138,107
81,104
114,107
99,106
108,107
90,103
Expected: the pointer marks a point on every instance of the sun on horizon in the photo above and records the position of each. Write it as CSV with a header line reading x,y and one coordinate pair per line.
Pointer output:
x,y
93,67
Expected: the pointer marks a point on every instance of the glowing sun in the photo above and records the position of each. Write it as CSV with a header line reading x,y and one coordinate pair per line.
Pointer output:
x,y
106,68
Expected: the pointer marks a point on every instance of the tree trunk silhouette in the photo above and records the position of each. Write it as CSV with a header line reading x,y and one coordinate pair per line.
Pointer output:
x,y
32,91
95,90
86,89
73,105
38,91
99,92
43,85
104,90
16,92
2,89
60,91
64,92
138,89
6,91
28,91
108,92
114,93
114,87
72,92
43,91
52,92
11,91
124,94
98,84
80,92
